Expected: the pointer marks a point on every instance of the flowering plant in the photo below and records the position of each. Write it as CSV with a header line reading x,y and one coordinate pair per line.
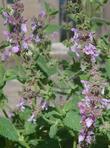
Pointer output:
x,y
64,103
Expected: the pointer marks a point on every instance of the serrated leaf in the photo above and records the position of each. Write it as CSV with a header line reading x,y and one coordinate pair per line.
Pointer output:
x,y
10,74
25,114
53,12
42,63
47,7
72,104
51,28
72,120
8,130
29,128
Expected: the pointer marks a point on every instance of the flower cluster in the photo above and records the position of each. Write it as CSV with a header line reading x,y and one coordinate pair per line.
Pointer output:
x,y
36,26
91,108
16,36
83,43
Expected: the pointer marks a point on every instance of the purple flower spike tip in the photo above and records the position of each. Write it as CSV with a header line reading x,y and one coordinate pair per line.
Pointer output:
x,y
15,49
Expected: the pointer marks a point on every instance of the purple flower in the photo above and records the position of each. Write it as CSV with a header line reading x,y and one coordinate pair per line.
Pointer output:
x,y
91,36
25,45
42,14
7,35
89,113
76,48
76,34
32,118
5,55
10,114
81,137
44,105
90,137
5,14
86,87
18,27
23,28
21,105
89,121
82,107
33,26
91,50
15,49
105,103
74,30
37,39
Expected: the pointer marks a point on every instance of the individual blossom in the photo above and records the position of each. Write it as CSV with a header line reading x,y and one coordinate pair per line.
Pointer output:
x,y
10,115
6,54
37,39
23,28
15,49
42,14
33,25
105,103
86,89
44,105
7,35
89,121
21,105
25,45
91,36
76,35
32,118
76,49
91,50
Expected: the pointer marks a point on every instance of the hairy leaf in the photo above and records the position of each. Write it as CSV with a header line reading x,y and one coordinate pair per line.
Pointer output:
x,y
72,120
8,130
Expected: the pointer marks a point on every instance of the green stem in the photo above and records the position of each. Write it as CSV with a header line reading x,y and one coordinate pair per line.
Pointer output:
x,y
5,113
74,143
24,143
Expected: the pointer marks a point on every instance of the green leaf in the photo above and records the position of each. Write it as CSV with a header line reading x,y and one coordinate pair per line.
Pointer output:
x,y
51,28
107,67
72,120
53,131
1,10
50,11
53,12
10,74
25,114
17,72
47,7
2,73
72,104
29,128
8,130
100,21
3,99
42,63
48,143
